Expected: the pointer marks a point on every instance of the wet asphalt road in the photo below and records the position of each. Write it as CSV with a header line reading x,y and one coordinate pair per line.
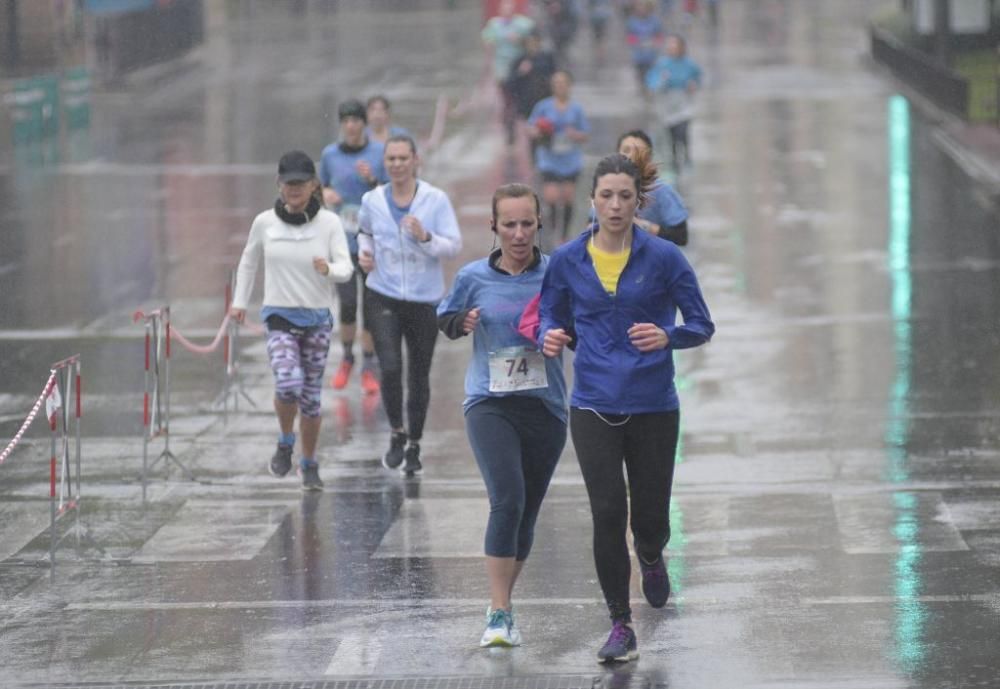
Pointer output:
x,y
836,521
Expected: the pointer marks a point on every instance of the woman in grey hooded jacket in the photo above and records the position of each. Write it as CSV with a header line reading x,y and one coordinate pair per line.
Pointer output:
x,y
406,227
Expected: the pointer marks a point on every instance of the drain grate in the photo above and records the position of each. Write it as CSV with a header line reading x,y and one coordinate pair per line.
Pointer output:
x,y
609,680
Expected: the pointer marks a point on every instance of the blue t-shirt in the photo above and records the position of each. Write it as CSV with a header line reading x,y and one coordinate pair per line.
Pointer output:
x,y
501,300
337,170
560,156
665,207
644,34
670,73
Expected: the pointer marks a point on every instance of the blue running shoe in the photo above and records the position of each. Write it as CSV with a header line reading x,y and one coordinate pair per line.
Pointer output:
x,y
620,647
655,582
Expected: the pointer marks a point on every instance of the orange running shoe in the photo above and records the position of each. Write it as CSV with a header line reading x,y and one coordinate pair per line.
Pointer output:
x,y
339,380
369,382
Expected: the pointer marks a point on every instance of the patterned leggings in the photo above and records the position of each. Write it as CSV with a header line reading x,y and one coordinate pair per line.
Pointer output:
x,y
298,362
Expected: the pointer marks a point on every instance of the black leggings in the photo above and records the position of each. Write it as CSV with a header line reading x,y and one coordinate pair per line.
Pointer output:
x,y
347,294
391,321
647,443
680,145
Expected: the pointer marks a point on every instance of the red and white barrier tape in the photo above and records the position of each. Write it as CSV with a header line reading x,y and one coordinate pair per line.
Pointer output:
x,y
31,417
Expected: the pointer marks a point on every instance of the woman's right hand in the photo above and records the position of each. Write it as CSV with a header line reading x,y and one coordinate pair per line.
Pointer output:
x,y
238,315
366,260
470,321
554,342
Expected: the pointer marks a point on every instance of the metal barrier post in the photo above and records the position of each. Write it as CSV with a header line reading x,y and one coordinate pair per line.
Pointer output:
x,y
145,414
52,487
66,389
154,421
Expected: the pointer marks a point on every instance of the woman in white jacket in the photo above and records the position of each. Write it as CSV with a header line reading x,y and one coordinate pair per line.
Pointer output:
x,y
405,228
304,249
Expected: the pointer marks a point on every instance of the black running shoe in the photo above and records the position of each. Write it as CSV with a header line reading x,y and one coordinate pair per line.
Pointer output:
x,y
281,461
394,455
411,465
310,476
620,647
655,582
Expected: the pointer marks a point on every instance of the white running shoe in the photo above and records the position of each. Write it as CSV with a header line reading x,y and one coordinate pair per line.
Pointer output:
x,y
500,630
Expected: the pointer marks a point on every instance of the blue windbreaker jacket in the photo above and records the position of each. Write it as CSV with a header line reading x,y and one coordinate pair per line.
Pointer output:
x,y
610,375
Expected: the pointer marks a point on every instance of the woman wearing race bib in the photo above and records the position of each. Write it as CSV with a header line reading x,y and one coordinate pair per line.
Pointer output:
x,y
405,228
619,289
559,126
515,399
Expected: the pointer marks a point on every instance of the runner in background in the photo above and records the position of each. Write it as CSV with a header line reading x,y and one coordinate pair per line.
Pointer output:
x,y
663,213
600,13
618,290
644,34
673,80
380,126
407,227
349,168
502,36
561,23
531,78
302,248
560,127
515,399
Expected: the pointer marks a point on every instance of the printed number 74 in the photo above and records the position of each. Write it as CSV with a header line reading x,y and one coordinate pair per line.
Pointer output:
x,y
517,366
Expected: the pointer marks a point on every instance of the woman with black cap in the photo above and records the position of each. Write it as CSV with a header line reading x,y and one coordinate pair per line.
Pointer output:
x,y
303,249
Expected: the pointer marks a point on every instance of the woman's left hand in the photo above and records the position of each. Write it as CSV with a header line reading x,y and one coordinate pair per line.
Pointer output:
x,y
648,337
321,266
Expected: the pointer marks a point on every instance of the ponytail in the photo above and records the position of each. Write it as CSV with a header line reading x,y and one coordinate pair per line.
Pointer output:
x,y
642,170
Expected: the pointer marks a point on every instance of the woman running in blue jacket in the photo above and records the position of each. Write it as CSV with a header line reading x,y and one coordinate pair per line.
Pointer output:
x,y
617,291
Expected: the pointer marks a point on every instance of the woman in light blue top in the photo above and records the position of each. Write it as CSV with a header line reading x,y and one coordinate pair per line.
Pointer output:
x,y
663,213
560,127
673,79
515,399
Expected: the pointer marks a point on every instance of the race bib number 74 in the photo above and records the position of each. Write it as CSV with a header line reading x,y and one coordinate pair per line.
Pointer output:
x,y
513,369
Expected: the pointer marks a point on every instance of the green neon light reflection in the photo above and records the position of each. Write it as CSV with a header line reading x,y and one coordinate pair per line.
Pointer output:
x,y
910,612
677,562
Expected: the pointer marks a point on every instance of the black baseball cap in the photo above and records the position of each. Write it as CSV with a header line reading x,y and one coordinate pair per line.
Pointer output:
x,y
352,108
295,166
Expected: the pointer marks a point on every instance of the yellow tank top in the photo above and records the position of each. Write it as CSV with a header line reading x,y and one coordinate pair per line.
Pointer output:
x,y
609,266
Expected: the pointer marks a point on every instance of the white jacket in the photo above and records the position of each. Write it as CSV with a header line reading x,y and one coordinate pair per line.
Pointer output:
x,y
290,279
406,269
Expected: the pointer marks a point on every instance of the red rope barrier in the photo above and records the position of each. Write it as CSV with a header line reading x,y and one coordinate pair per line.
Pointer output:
x,y
176,334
